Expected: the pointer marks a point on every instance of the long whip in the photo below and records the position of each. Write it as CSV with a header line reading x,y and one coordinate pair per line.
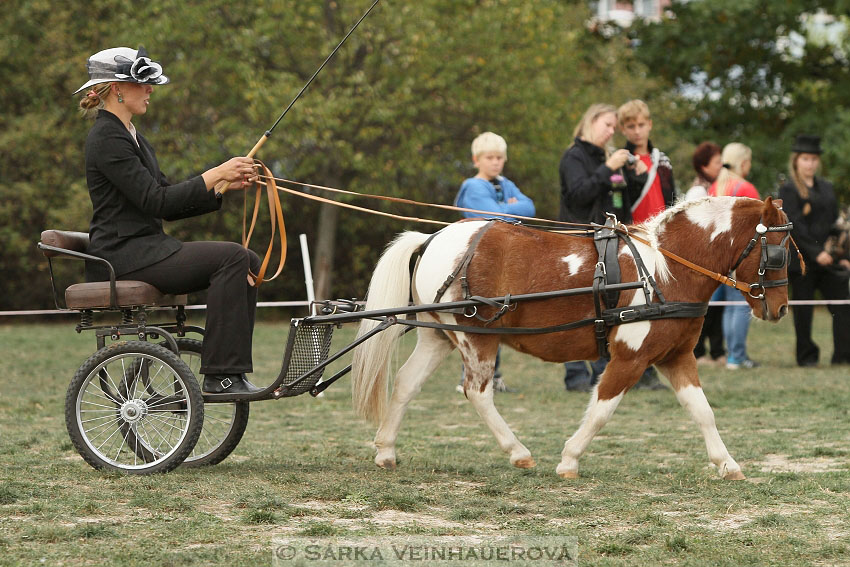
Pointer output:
x,y
222,186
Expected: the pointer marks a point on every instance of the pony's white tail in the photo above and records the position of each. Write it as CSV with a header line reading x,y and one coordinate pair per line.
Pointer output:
x,y
390,287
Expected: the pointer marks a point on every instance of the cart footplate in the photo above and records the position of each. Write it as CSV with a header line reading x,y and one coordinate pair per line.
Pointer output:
x,y
304,360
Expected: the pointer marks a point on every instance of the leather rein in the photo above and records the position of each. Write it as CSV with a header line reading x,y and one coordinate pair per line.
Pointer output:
x,y
276,223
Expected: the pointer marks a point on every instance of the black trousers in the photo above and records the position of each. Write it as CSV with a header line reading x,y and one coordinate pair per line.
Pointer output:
x,y
222,268
712,329
832,285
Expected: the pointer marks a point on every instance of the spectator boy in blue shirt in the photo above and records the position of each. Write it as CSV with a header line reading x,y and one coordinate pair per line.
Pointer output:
x,y
489,190
492,192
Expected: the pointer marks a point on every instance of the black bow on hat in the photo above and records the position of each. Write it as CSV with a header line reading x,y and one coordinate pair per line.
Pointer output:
x,y
122,64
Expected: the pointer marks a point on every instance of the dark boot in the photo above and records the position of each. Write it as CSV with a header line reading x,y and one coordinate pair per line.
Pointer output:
x,y
228,384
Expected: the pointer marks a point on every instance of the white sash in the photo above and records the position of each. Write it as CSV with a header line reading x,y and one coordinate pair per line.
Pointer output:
x,y
650,178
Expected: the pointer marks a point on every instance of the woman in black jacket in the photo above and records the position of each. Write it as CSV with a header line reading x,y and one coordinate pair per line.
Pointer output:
x,y
810,203
592,181
131,197
592,184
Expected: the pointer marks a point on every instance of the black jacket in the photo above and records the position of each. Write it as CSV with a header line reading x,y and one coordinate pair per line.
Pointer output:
x,y
810,230
586,190
130,197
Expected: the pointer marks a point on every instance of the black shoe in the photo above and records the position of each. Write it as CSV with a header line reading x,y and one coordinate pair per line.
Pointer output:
x,y
229,384
579,387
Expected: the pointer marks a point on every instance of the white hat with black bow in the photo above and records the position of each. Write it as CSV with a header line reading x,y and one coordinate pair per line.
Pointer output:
x,y
122,64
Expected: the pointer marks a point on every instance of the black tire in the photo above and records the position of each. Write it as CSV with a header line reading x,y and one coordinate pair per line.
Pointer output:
x,y
224,424
119,421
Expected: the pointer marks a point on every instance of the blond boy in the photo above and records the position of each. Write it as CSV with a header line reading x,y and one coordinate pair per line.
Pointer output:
x,y
489,190
651,192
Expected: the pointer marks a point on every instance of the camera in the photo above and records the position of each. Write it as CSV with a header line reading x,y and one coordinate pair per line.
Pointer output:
x,y
631,159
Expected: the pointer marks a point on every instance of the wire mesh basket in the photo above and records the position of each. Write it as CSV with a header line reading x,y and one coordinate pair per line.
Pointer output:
x,y
306,348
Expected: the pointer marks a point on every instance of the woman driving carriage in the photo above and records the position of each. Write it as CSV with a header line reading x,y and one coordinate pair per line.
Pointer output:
x,y
131,197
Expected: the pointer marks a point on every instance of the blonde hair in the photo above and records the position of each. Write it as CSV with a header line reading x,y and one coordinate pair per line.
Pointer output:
x,y
733,155
582,129
93,99
802,188
632,110
489,142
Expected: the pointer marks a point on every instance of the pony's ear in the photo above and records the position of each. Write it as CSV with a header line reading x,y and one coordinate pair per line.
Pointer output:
x,y
770,211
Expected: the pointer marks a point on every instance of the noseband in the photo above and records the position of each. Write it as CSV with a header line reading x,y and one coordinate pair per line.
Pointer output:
x,y
772,257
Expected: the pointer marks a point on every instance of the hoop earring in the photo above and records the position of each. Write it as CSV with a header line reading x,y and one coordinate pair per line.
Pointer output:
x,y
120,99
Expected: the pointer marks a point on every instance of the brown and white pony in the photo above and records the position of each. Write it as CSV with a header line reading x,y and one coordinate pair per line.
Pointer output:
x,y
712,233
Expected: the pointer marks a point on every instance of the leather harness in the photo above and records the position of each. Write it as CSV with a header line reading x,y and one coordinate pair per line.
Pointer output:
x,y
606,239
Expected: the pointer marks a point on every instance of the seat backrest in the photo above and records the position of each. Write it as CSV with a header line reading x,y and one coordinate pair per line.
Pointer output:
x,y
69,240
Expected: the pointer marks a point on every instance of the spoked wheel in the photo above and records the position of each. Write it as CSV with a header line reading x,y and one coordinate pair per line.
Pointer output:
x,y
224,424
134,407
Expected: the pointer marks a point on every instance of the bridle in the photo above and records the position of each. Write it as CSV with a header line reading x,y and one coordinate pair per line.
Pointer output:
x,y
772,257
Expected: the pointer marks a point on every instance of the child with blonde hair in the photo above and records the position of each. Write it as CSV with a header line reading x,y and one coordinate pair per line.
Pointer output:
x,y
491,192
652,191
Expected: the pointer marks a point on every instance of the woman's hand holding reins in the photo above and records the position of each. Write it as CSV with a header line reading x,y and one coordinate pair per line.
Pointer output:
x,y
237,172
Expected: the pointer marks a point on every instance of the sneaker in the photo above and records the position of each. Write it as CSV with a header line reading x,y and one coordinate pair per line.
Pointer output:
x,y
746,365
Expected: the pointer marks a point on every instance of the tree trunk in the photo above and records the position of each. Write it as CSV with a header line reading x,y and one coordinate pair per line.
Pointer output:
x,y
323,257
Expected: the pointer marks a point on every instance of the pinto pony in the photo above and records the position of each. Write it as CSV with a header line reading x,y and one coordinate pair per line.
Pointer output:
x,y
713,233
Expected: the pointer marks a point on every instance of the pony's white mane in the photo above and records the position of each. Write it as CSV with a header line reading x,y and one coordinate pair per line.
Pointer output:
x,y
655,226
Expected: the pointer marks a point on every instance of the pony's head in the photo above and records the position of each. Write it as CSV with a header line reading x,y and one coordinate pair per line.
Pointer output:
x,y
763,263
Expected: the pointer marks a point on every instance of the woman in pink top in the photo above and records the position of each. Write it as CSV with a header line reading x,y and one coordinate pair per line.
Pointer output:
x,y
737,161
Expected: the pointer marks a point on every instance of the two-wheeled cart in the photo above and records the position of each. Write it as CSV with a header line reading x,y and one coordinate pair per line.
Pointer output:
x,y
135,405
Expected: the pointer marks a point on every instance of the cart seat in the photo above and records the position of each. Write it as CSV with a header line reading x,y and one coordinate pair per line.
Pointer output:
x,y
95,295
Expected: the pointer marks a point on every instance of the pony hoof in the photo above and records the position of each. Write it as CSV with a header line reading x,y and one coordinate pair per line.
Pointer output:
x,y
568,474
737,475
526,463
388,464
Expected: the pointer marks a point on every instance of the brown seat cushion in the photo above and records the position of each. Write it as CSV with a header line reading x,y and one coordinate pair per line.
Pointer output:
x,y
95,295
76,241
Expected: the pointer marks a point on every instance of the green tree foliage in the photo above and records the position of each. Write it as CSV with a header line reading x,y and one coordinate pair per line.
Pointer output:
x,y
393,114
758,72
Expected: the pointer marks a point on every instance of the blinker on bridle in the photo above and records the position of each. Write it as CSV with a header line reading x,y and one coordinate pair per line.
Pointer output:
x,y
772,257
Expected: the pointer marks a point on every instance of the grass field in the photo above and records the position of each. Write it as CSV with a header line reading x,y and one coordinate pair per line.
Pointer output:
x,y
647,495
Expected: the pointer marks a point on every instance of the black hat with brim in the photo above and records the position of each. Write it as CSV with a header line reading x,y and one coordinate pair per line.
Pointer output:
x,y
806,144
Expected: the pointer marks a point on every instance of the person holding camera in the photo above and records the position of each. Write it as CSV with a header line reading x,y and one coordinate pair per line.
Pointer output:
x,y
653,191
592,177
592,183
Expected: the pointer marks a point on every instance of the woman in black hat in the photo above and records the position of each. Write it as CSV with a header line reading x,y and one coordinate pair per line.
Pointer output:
x,y
811,205
131,197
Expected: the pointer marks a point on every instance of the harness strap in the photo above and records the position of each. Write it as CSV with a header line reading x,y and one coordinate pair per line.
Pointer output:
x,y
725,280
610,317
607,247
643,273
462,265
